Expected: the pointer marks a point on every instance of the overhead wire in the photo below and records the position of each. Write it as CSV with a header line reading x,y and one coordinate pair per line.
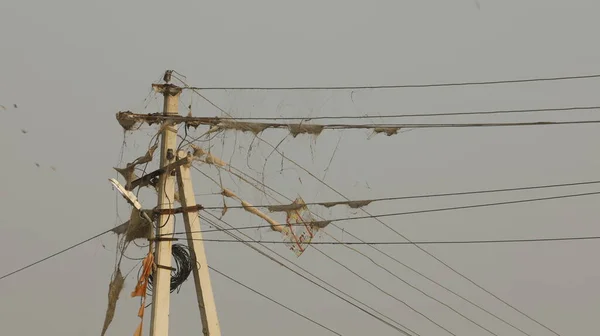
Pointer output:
x,y
461,207
404,302
412,115
371,216
348,243
393,214
417,246
226,230
308,128
398,233
430,195
384,253
425,242
499,203
398,86
273,300
310,280
212,268
420,291
367,212
401,301
480,205
445,264
55,254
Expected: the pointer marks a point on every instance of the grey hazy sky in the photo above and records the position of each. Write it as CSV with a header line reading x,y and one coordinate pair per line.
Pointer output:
x,y
70,65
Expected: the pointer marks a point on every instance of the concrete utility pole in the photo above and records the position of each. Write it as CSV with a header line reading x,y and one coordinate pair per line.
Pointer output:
x,y
159,325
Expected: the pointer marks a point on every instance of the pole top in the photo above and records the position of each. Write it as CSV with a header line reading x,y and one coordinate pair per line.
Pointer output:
x,y
167,88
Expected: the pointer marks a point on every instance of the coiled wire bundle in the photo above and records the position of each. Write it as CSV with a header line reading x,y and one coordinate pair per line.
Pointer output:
x,y
183,265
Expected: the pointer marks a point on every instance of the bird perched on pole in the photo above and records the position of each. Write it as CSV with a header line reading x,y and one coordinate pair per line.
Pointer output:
x,y
167,76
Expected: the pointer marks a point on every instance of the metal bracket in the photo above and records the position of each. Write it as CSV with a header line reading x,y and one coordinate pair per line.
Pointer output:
x,y
147,179
166,267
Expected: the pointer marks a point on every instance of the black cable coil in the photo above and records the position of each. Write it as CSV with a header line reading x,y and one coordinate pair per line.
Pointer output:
x,y
183,265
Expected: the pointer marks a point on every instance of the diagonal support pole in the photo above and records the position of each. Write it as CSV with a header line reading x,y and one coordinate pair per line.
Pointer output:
x,y
204,293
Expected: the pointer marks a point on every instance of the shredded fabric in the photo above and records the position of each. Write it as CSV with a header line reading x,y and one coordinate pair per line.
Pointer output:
x,y
300,226
121,229
301,229
229,193
193,123
206,157
146,157
321,224
285,207
114,290
127,120
296,129
138,227
255,128
251,209
128,172
296,206
352,204
140,289
225,208
198,151
211,159
389,131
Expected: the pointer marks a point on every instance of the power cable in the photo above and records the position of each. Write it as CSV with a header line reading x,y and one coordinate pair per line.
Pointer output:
x,y
406,238
396,260
400,86
231,228
432,280
398,233
417,289
414,212
412,286
272,300
306,278
458,193
110,230
385,254
299,267
212,268
54,255
393,116
393,214
300,128
426,242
